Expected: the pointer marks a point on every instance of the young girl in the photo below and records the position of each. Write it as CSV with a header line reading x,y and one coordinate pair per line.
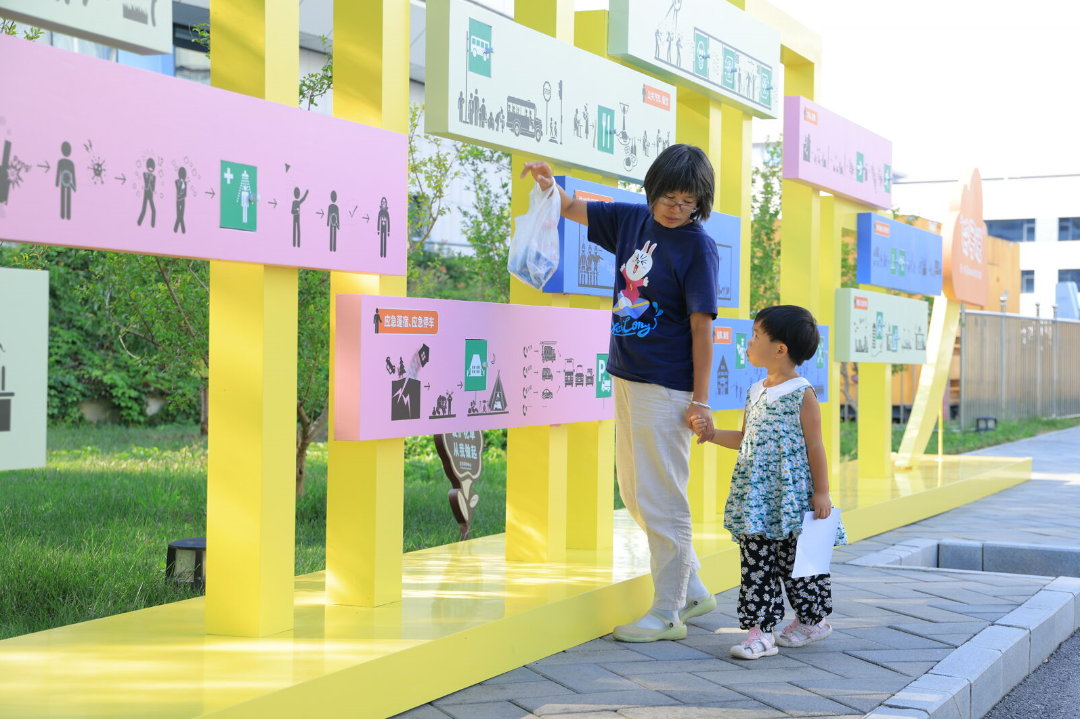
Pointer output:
x,y
660,358
781,474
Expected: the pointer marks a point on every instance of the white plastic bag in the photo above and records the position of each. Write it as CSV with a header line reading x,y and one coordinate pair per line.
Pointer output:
x,y
534,249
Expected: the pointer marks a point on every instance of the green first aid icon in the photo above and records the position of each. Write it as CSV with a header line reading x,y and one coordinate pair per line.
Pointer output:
x,y
860,167
603,379
731,66
892,260
238,193
701,55
605,129
902,264
479,48
820,355
476,365
765,87
740,351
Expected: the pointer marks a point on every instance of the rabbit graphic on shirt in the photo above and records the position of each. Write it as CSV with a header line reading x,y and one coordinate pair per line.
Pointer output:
x,y
634,272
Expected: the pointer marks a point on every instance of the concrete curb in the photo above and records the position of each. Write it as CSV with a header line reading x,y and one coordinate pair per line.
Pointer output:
x,y
969,682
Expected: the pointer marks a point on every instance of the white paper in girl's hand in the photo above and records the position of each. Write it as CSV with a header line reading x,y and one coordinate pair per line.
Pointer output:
x,y
813,551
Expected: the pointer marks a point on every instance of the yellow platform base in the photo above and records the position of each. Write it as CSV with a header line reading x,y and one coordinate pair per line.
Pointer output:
x,y
466,616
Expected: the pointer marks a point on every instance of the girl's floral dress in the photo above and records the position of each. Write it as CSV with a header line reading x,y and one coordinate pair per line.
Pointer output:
x,y
771,486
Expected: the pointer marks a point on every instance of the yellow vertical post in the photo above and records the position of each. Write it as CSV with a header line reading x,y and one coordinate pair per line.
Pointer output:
x,y
875,419
536,457
590,446
250,503
933,380
699,123
365,492
800,253
734,191
833,217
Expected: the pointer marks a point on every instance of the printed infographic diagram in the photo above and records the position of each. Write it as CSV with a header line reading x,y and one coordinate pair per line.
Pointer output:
x,y
24,361
192,171
875,327
408,367
898,256
498,83
587,269
707,46
732,374
827,151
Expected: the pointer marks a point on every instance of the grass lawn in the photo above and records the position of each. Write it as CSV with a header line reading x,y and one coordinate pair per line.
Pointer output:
x,y
86,536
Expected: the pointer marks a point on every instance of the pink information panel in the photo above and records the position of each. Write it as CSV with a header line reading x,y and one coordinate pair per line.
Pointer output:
x,y
408,367
98,155
836,155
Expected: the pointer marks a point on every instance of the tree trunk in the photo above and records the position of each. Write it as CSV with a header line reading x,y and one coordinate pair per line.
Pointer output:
x,y
301,464
204,409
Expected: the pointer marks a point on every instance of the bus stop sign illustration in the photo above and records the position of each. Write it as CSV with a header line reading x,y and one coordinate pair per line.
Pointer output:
x,y
239,186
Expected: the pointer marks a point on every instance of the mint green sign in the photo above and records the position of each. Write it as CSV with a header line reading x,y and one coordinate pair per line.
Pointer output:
x,y
479,48
476,365
740,351
238,193
731,65
860,167
701,55
765,88
605,130
888,178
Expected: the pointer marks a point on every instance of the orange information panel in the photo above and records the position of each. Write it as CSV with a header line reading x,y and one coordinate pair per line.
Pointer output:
x,y
390,321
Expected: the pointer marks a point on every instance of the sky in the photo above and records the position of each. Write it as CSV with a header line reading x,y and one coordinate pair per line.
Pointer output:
x,y
953,83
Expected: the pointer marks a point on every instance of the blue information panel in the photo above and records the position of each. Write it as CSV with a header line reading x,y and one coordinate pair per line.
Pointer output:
x,y
585,269
898,256
732,375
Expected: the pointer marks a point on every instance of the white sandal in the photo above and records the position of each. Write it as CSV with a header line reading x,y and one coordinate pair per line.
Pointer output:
x,y
798,634
756,645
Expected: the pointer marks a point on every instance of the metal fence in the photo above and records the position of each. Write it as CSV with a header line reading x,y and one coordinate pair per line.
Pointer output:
x,y
1012,367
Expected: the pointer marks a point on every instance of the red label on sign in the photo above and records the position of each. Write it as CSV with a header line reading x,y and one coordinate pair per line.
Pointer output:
x,y
657,98
722,335
810,115
880,228
406,322
861,303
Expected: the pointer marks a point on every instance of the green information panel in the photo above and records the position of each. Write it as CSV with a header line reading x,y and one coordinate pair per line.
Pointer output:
x,y
740,351
480,51
239,193
701,55
603,379
605,129
476,365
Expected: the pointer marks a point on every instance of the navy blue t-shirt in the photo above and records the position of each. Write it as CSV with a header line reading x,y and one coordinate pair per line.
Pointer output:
x,y
661,276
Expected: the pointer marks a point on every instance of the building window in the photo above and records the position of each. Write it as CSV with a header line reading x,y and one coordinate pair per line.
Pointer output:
x,y
1069,228
1069,276
1027,281
1012,230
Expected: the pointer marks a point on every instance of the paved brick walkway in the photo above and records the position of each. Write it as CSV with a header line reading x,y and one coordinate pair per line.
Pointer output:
x,y
891,626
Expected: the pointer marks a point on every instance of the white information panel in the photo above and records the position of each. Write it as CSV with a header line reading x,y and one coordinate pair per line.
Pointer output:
x,y
140,26
875,327
494,82
709,46
24,370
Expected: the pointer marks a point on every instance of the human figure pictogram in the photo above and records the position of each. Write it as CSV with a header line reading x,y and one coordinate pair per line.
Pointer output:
x,y
181,200
297,201
149,185
333,220
65,180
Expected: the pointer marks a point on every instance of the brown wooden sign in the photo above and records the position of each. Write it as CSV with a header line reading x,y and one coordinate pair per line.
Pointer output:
x,y
462,458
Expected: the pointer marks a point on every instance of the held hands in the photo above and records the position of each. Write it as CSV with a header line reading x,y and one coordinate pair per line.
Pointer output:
x,y
699,419
821,503
541,172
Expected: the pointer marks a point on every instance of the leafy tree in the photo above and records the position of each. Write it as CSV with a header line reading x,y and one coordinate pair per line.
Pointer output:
x,y
487,224
10,28
764,222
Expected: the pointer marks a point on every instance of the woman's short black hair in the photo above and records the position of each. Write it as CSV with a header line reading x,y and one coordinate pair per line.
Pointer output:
x,y
682,168
793,326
